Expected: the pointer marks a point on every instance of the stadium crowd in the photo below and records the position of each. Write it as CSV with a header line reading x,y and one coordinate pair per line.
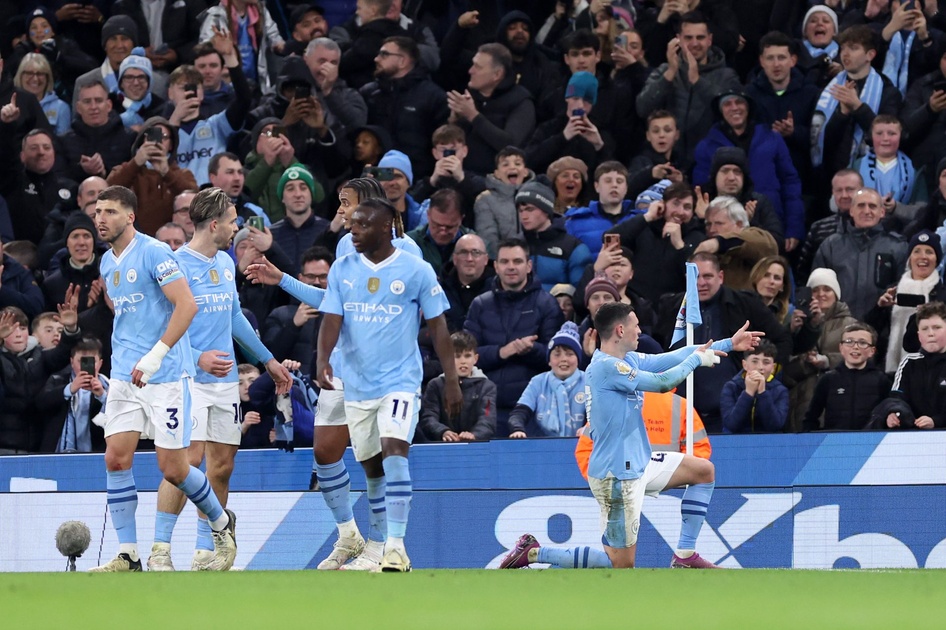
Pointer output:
x,y
545,157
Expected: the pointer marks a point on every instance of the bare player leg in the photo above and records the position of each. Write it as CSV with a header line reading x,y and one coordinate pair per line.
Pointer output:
x,y
120,450
330,443
170,499
692,470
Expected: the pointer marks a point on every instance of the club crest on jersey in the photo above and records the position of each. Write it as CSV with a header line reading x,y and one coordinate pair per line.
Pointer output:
x,y
116,278
228,275
623,368
131,275
214,276
397,287
374,284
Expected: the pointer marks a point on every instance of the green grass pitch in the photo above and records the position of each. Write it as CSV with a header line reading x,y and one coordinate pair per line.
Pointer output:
x,y
476,599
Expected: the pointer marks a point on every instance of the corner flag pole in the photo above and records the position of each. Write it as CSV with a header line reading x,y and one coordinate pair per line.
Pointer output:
x,y
687,317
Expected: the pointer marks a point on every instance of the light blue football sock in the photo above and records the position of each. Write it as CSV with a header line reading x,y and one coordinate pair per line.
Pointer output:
x,y
122,504
693,511
198,490
335,487
204,538
397,498
377,512
575,557
164,523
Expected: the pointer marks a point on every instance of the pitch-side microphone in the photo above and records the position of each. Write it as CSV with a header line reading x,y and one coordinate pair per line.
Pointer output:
x,y
72,539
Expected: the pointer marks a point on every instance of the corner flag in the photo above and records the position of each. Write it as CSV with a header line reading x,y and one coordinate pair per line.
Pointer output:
x,y
687,315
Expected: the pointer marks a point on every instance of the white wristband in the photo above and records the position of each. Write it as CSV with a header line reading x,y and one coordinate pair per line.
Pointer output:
x,y
708,358
151,362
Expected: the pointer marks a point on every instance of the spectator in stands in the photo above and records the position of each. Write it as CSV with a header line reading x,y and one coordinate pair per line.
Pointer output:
x,y
373,26
24,368
53,238
405,101
557,256
138,102
662,239
465,277
890,171
769,162
272,154
71,400
496,216
202,138
738,246
217,92
34,75
78,268
754,401
817,328
369,143
167,32
513,324
912,50
676,85
396,174
172,235
818,53
916,399
923,117
729,176
226,173
182,212
477,420
301,227
617,264
47,329
894,315
257,433
845,396
771,280
568,176
846,108
444,227
844,185
530,63
724,311
17,286
248,246
97,141
565,294
30,185
589,223
449,150
248,26
660,159
306,22
865,257
82,23
119,36
292,331
153,174
628,80
572,132
29,114
784,101
553,403
344,106
581,52
493,111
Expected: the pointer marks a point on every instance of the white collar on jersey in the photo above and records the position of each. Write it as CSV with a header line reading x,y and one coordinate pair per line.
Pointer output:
x,y
384,263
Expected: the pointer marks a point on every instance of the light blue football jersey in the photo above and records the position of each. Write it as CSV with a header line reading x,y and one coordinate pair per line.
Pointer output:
x,y
200,140
381,306
142,312
345,246
219,317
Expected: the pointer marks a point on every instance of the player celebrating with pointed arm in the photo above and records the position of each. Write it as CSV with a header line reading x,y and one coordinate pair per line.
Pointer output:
x,y
151,372
378,294
622,469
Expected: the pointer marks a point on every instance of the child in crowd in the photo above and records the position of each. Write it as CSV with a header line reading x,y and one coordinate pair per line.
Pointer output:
x,y
659,160
845,396
255,433
565,294
477,420
754,401
496,216
47,330
553,403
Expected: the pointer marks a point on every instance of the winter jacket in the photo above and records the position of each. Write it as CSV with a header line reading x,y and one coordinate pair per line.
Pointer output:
x,y
288,341
18,288
640,175
478,415
773,173
818,233
262,181
867,261
507,117
763,413
434,254
924,128
589,223
470,188
658,267
844,398
496,216
357,63
268,37
111,140
461,296
691,105
919,389
295,240
557,256
497,317
57,282
550,406
738,253
54,407
548,143
410,109
535,71
179,25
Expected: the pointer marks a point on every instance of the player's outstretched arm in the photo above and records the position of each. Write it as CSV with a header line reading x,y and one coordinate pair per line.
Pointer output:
x,y
452,395
179,294
262,271
665,381
329,332
746,339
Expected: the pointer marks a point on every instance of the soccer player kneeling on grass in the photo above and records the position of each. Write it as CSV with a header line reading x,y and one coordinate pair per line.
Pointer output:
x,y
622,469
373,307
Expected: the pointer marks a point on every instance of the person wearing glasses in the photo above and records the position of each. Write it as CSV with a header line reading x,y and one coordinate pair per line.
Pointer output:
x,y
844,397
467,275
438,238
138,101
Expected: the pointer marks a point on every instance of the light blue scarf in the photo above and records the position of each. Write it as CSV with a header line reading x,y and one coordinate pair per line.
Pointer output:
x,y
831,50
565,413
897,62
870,95
75,437
898,181
130,117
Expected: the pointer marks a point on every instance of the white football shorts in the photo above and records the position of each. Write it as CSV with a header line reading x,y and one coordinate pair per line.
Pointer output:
x,y
160,411
215,408
392,416
330,409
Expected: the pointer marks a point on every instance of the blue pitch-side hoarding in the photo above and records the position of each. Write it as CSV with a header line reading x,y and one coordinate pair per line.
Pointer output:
x,y
840,500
